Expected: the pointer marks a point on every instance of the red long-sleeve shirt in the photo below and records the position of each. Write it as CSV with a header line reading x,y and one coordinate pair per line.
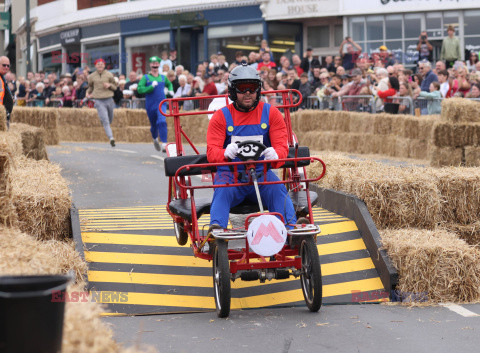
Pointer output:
x,y
385,94
216,133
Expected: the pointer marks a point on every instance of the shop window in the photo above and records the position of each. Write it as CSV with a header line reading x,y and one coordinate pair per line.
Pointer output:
x,y
413,25
411,53
318,36
52,63
284,37
230,39
433,22
105,50
472,44
471,20
451,19
393,27
396,47
375,28
338,34
372,47
357,29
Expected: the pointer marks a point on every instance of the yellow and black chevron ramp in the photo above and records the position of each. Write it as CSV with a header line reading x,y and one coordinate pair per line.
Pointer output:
x,y
136,266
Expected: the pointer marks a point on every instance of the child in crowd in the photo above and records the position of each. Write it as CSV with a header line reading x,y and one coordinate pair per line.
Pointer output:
x,y
434,97
443,80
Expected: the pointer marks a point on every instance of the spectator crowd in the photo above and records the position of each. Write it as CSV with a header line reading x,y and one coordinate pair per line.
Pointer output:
x,y
350,73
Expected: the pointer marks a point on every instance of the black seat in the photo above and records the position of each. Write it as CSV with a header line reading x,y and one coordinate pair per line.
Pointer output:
x,y
183,207
172,164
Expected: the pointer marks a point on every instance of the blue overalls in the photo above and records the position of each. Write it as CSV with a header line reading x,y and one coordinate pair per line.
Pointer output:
x,y
275,197
158,123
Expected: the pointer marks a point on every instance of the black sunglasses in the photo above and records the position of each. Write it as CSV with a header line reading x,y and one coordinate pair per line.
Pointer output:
x,y
5,65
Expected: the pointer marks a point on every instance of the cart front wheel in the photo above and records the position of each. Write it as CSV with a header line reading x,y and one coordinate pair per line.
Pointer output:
x,y
180,233
221,278
311,277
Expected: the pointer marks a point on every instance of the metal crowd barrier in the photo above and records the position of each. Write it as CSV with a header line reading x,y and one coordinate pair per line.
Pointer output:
x,y
421,104
358,103
135,103
405,105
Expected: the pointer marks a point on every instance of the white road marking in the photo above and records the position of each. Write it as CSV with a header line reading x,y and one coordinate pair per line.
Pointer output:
x,y
126,151
459,310
157,157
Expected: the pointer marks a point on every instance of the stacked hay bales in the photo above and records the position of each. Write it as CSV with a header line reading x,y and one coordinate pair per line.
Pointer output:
x,y
392,135
46,118
34,222
428,217
396,197
42,199
436,263
33,140
129,125
456,137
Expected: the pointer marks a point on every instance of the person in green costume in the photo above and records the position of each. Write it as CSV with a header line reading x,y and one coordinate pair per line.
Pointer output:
x,y
153,85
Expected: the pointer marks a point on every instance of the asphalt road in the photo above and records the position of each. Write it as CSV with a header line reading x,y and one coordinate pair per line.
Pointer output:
x,y
132,174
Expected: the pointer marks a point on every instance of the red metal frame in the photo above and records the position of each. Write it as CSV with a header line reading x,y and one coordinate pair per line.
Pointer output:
x,y
181,187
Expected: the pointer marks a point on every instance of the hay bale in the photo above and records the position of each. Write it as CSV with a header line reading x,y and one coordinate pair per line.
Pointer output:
x,y
41,198
83,328
396,197
136,117
436,262
459,189
362,123
10,146
472,156
445,156
24,254
418,149
419,127
138,134
33,140
454,135
383,124
78,117
470,233
457,110
3,119
39,117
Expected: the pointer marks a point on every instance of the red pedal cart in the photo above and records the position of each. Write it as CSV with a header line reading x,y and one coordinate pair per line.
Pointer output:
x,y
269,250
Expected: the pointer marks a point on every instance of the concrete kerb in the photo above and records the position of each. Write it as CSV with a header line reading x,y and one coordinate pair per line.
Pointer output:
x,y
355,209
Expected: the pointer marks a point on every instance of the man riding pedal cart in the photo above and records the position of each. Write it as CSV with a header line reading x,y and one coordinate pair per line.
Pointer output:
x,y
247,119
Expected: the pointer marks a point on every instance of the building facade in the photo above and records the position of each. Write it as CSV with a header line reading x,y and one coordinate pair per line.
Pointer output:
x,y
71,33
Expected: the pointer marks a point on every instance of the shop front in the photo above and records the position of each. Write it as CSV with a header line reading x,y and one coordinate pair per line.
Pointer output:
x,y
397,25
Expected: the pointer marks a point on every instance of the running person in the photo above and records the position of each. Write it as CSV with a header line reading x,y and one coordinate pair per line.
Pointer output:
x,y
101,85
246,119
153,86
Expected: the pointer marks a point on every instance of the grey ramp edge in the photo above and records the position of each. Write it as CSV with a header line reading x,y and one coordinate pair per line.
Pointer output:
x,y
352,207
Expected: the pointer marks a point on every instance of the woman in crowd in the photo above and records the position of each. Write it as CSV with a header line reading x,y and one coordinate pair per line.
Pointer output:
x,y
272,78
474,91
471,62
404,91
463,84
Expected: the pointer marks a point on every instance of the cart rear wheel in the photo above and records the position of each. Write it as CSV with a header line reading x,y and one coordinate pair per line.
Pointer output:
x,y
311,277
180,233
221,278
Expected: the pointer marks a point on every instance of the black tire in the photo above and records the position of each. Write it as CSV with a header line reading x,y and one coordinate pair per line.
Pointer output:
x,y
311,277
221,278
180,233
